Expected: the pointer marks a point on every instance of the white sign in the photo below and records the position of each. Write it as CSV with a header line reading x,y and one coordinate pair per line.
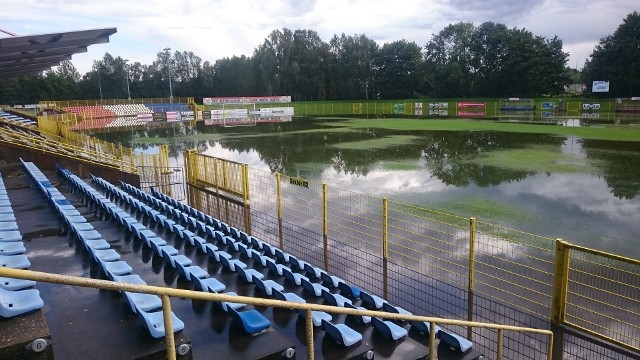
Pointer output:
x,y
590,106
600,86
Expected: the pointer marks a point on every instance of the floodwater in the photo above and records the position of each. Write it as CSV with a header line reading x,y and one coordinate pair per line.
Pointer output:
x,y
584,191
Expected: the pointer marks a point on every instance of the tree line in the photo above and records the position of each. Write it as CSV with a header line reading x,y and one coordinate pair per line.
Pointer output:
x,y
462,60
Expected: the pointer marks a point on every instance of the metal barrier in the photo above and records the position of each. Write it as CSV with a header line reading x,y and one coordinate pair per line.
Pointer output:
x,y
59,128
482,266
166,293
50,146
167,179
96,102
598,293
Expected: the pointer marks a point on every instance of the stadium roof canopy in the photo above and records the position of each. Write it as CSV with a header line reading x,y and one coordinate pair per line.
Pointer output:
x,y
32,54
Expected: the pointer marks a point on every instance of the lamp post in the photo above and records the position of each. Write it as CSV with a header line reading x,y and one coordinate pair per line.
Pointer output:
x,y
169,70
126,67
99,81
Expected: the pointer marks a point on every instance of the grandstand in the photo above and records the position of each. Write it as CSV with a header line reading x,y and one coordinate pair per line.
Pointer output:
x,y
120,233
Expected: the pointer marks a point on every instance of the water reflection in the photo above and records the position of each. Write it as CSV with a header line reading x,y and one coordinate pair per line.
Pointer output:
x,y
596,205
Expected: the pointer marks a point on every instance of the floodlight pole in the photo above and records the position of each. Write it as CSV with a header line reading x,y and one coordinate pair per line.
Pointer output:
x,y
169,69
126,67
99,81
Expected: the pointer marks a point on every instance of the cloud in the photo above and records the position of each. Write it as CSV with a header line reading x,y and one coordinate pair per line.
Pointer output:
x,y
224,28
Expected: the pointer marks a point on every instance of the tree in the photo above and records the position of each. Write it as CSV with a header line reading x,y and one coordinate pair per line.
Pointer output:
x,y
398,70
616,59
353,66
448,60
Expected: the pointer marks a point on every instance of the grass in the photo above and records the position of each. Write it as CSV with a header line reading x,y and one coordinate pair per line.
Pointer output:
x,y
614,133
377,143
541,159
484,209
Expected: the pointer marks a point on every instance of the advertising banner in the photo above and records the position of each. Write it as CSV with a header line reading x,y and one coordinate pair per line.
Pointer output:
x,y
547,105
187,115
159,116
145,117
600,86
398,108
246,99
590,106
418,108
471,109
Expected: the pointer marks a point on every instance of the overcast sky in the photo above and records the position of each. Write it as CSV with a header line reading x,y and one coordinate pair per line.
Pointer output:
x,y
213,29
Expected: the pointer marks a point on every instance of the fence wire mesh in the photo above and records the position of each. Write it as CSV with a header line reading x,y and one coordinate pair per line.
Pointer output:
x,y
426,266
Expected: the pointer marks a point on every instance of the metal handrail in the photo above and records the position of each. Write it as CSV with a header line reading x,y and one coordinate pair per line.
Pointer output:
x,y
165,293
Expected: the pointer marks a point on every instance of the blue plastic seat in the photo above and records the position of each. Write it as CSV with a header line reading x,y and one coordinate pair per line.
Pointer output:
x,y
14,261
192,272
15,284
341,333
259,259
267,286
251,321
273,267
282,256
90,234
249,274
394,309
176,259
13,303
209,284
330,281
348,290
225,305
100,244
289,296
317,316
129,279
12,248
112,268
389,329
313,271
424,327
363,319
218,255
106,255
9,236
455,341
8,226
6,209
7,217
296,263
335,299
144,302
154,322
313,288
372,300
231,264
296,278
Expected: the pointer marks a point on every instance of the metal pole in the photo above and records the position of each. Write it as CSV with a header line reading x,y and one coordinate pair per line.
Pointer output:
x,y
168,327
99,82
309,328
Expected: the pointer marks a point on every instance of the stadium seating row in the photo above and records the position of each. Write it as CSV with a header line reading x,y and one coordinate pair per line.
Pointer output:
x,y
16,295
251,247
17,120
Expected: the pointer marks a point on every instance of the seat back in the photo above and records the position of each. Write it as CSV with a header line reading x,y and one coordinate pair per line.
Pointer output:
x,y
332,331
288,274
260,285
306,285
329,298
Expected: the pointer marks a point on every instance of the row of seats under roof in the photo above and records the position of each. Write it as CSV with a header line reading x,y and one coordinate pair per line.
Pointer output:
x,y
126,109
17,119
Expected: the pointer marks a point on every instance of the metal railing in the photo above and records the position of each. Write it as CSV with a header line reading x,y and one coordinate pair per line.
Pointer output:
x,y
167,293
485,266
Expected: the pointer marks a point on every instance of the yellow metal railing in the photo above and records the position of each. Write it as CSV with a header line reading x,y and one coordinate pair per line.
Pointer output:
x,y
52,146
60,128
166,293
221,175
599,293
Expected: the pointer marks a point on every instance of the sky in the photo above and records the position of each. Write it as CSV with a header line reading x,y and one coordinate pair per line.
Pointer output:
x,y
214,29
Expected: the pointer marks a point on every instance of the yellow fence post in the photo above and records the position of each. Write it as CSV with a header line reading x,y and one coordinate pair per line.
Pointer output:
x,y
168,326
245,183
309,331
472,256
560,282
325,227
385,246
279,205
